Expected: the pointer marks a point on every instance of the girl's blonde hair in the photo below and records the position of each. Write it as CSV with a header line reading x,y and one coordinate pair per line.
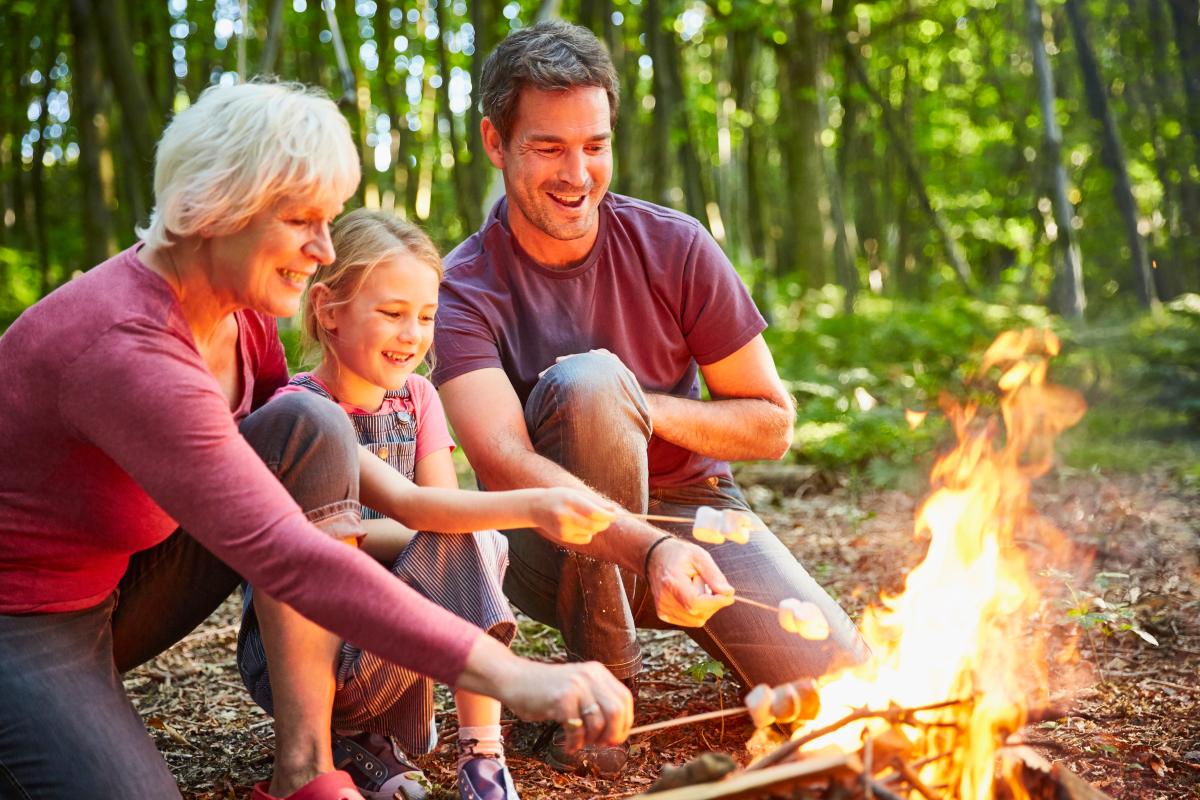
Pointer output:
x,y
362,240
239,149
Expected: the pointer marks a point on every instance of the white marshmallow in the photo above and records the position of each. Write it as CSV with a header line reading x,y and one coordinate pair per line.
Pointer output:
x,y
803,618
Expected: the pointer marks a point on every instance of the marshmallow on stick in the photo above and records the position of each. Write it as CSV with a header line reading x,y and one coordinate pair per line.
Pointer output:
x,y
717,525
803,618
787,702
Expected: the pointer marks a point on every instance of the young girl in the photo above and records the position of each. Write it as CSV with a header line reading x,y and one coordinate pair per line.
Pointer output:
x,y
371,312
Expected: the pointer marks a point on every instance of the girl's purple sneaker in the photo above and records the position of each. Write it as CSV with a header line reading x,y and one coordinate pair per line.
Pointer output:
x,y
483,775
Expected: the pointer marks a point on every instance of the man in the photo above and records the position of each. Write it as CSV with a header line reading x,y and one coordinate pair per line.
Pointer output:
x,y
570,331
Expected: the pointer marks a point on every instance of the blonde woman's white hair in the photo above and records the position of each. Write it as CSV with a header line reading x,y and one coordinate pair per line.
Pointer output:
x,y
240,149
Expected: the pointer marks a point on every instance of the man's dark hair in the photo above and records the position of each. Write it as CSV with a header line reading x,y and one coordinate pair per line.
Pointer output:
x,y
551,56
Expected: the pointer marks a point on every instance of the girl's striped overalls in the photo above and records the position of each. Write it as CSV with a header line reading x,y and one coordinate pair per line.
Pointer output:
x,y
463,573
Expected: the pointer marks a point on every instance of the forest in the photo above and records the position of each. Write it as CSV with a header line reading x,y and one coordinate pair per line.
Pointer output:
x,y
903,178
896,181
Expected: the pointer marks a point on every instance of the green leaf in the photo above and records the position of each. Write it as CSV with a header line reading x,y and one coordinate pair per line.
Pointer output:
x,y
702,669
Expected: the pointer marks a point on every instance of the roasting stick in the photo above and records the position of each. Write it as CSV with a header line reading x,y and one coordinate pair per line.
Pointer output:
x,y
765,704
656,517
756,603
671,723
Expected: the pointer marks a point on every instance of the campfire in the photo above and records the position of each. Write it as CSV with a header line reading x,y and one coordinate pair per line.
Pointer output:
x,y
958,657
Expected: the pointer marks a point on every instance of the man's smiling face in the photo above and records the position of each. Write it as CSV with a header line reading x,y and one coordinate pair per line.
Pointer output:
x,y
557,163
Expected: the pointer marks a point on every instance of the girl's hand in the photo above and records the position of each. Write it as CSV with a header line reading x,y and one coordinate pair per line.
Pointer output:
x,y
571,516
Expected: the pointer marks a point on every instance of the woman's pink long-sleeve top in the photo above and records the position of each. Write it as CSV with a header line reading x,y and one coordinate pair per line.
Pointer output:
x,y
113,433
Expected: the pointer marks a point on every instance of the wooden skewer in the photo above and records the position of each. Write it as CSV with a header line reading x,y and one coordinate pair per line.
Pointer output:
x,y
657,517
756,603
671,723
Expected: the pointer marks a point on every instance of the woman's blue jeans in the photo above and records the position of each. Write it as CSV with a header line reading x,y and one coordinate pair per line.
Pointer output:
x,y
588,414
67,728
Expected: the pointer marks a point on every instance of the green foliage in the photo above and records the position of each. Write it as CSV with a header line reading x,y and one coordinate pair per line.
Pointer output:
x,y
1142,381
19,284
853,377
1106,606
1167,345
705,667
535,640
290,336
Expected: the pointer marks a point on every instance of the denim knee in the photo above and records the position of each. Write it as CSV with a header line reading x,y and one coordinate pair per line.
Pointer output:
x,y
593,387
310,445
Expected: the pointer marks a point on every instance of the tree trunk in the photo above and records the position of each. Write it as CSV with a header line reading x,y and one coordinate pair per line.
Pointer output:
x,y
398,121
1149,91
483,21
270,50
86,83
348,102
798,70
467,205
349,98
953,251
1187,40
37,174
1112,153
15,125
745,57
1069,283
695,191
141,123
660,172
1186,18
845,244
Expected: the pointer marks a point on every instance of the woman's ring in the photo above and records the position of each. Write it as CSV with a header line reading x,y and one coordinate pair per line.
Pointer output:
x,y
592,709
573,723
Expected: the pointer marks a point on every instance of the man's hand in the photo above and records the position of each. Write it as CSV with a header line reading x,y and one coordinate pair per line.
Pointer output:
x,y
598,351
687,585
571,516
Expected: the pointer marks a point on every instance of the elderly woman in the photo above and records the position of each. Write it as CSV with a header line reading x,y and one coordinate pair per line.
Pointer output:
x,y
143,476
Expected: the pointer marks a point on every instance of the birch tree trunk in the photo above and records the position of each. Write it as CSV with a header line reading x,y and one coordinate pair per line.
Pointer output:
x,y
1069,283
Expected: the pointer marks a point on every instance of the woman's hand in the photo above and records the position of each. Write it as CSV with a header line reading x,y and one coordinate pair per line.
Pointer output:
x,y
571,516
687,585
592,706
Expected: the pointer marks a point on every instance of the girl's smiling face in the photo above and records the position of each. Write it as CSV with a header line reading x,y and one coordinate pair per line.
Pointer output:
x,y
380,335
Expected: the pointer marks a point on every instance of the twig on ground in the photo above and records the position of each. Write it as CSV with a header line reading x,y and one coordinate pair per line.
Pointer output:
x,y
1179,686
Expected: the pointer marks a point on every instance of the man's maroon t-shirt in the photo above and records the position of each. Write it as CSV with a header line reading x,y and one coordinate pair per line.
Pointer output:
x,y
656,291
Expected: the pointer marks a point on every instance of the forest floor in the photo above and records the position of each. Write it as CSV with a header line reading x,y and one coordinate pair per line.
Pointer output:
x,y
1128,712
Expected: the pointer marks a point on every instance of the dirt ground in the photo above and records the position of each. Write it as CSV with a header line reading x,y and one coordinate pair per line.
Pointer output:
x,y
1126,712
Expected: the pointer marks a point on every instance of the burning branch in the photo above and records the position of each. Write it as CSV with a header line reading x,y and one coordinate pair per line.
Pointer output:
x,y
893,715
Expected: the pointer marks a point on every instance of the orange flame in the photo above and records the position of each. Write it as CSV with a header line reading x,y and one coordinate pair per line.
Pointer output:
x,y
959,628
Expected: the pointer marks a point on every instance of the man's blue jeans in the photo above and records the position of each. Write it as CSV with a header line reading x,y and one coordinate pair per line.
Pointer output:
x,y
588,414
